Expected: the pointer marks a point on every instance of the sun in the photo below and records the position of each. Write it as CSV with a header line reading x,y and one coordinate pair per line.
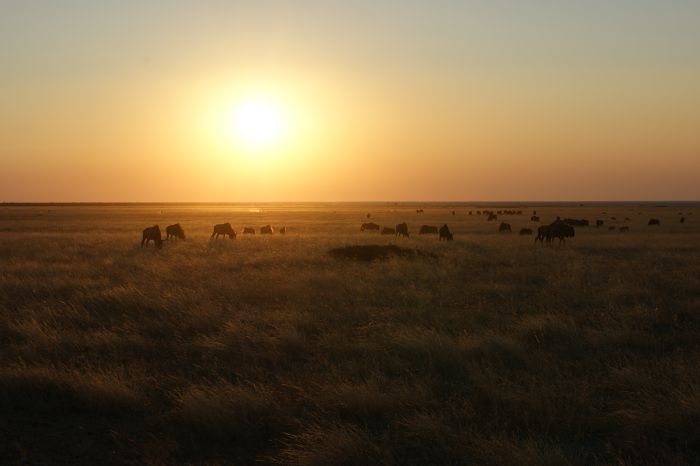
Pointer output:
x,y
257,123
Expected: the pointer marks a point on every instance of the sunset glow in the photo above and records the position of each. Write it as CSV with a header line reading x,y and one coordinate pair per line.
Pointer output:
x,y
467,101
257,124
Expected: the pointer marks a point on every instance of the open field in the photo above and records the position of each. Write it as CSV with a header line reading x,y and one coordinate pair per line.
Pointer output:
x,y
484,350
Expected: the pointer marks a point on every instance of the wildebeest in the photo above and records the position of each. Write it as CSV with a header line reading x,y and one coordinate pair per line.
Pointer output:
x,y
504,227
535,218
654,221
445,233
402,230
152,234
454,213
283,230
576,222
419,211
428,230
599,223
492,217
525,231
624,229
560,230
682,219
542,234
267,230
369,226
224,229
470,212
248,231
388,231
368,215
175,231
611,228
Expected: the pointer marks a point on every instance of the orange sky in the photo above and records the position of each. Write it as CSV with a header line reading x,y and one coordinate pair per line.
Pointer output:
x,y
132,101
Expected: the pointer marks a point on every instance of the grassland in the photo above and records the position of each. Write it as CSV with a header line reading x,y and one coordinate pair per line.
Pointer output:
x,y
485,350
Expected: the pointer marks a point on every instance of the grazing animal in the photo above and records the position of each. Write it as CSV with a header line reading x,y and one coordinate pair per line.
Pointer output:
x,y
627,219
504,227
368,215
535,218
611,228
224,229
152,234
534,212
613,218
369,226
543,233
248,231
175,231
478,212
682,219
470,212
560,230
492,217
267,230
654,221
388,231
624,229
428,230
419,211
445,233
525,231
402,230
599,223
283,230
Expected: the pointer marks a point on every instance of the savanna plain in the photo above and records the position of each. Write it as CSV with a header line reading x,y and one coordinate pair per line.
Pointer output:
x,y
486,350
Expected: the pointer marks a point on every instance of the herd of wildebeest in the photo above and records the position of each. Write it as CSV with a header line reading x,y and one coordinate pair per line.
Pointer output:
x,y
559,229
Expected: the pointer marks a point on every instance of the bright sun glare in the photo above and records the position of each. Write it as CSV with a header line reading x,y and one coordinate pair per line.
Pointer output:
x,y
257,123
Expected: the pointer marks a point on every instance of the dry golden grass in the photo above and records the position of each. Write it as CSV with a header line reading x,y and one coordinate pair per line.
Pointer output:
x,y
483,350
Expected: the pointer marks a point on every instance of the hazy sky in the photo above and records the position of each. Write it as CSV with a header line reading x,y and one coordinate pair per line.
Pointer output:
x,y
377,100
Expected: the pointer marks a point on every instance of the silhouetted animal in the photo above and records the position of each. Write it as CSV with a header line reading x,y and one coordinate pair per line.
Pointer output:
x,y
419,211
682,219
368,215
428,230
654,221
224,229
611,228
535,218
492,217
445,233
504,227
470,212
560,230
267,230
543,233
624,229
534,212
388,231
283,230
369,226
599,223
152,234
175,231
525,231
454,213
402,230
248,231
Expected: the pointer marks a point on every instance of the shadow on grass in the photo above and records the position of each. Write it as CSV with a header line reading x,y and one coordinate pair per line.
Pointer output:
x,y
371,252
